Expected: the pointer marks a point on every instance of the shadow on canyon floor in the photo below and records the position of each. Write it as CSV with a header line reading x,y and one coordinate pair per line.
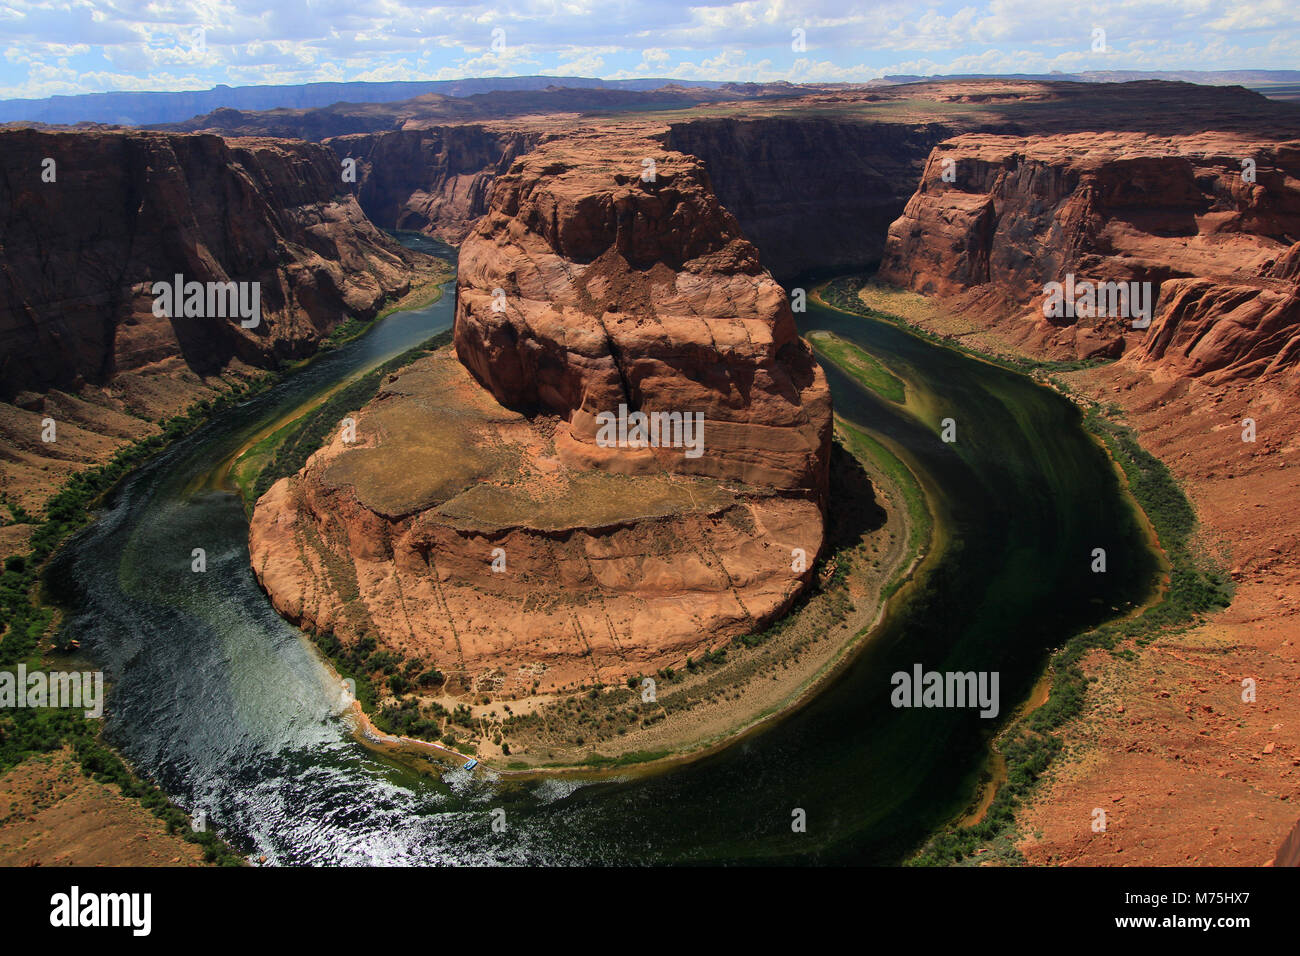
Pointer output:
x,y
854,510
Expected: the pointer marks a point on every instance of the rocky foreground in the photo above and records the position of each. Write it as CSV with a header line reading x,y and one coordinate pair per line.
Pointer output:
x,y
479,522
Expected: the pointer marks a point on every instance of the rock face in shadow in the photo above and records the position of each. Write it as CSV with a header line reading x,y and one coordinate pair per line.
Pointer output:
x,y
127,209
477,524
1013,214
434,180
813,193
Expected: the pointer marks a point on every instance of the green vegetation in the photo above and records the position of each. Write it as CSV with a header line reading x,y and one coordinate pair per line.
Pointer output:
x,y
283,453
842,294
622,760
347,330
920,521
1196,587
18,514
25,732
287,450
70,507
25,622
408,719
1031,742
353,327
370,669
862,365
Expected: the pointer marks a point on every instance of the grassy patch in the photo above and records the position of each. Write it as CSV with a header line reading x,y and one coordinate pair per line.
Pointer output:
x,y
842,294
622,760
285,451
1197,586
920,521
862,365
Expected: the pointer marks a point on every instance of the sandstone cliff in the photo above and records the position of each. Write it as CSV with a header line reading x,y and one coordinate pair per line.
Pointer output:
x,y
587,286
609,561
127,209
1198,775
815,194
435,179
1177,212
813,176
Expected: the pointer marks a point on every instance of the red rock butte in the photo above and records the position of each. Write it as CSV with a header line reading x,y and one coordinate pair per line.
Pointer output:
x,y
589,284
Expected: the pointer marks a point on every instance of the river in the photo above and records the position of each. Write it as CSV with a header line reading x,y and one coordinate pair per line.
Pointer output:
x,y
230,710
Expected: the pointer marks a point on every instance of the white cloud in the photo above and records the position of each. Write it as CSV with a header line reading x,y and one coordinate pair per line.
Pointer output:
x,y
83,46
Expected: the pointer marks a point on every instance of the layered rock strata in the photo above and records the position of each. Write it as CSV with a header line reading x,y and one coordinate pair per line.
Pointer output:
x,y
814,193
477,522
1210,221
434,180
588,287
89,221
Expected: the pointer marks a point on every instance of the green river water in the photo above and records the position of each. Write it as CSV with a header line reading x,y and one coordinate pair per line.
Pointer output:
x,y
228,708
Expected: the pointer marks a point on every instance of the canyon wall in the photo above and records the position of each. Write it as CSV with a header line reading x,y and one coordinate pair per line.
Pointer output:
x,y
434,180
127,209
1217,244
813,193
1196,773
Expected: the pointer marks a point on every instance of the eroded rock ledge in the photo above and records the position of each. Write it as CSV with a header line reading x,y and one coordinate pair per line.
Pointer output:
x,y
618,561
1219,248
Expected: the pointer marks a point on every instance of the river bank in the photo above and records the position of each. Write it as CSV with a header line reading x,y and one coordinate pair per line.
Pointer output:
x,y
706,705
1027,743
30,620
700,705
1185,769
254,712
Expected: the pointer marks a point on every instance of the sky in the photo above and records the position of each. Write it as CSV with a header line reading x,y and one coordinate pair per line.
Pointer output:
x,y
81,46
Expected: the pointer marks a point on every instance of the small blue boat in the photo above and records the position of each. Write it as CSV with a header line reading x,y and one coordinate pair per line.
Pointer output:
x,y
470,764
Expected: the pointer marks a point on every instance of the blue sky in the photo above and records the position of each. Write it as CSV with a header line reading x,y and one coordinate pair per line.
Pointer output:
x,y
80,46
